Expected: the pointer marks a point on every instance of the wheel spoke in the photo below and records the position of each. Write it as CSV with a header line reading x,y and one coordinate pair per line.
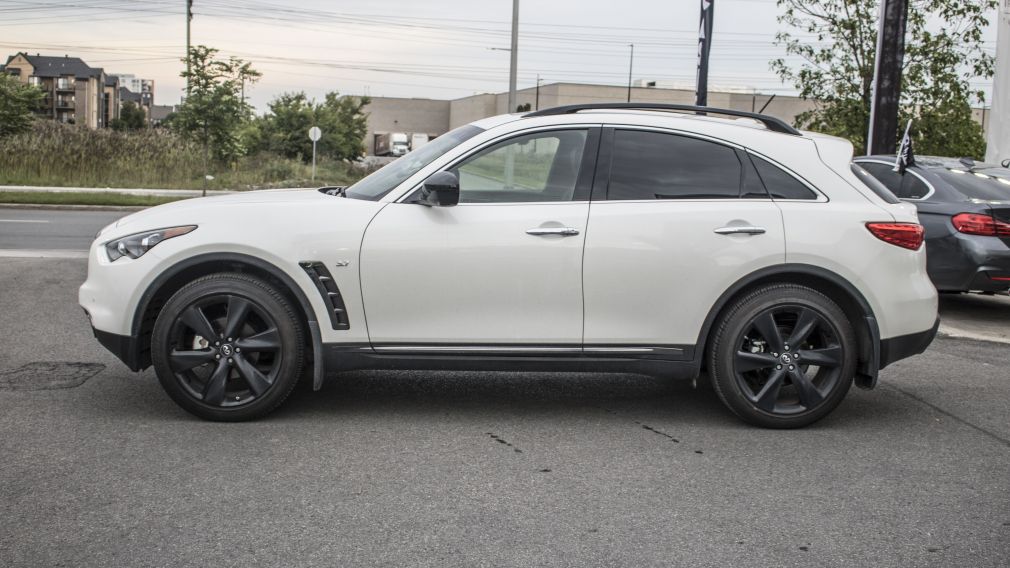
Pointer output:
x,y
807,321
747,361
186,360
195,319
827,357
213,391
769,394
269,340
766,326
808,394
257,382
238,310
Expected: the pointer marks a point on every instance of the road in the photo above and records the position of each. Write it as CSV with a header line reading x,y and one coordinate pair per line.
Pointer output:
x,y
51,229
485,469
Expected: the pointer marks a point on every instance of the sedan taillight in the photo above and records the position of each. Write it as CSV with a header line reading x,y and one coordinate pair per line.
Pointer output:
x,y
979,224
904,235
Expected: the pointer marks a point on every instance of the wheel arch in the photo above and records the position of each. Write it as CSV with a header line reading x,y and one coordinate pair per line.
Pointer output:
x,y
829,283
171,280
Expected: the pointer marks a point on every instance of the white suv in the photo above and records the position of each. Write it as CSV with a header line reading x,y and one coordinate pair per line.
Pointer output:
x,y
624,238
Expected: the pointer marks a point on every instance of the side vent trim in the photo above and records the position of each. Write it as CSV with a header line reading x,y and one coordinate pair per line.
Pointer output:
x,y
332,299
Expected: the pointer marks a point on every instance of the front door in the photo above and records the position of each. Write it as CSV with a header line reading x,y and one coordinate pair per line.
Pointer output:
x,y
504,267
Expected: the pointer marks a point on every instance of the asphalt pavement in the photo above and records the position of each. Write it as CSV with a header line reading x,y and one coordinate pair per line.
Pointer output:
x,y
99,468
41,232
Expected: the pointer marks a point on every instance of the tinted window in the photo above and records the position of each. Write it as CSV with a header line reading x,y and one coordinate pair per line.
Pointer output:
x,y
536,167
652,165
906,186
383,181
978,185
873,184
780,184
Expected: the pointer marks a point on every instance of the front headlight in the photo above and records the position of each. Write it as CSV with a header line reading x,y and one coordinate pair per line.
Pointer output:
x,y
134,246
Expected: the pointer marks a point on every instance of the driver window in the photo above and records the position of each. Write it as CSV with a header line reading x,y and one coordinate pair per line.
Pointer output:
x,y
543,166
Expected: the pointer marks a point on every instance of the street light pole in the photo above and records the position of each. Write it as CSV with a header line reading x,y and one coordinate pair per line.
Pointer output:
x,y
189,18
631,63
537,104
514,52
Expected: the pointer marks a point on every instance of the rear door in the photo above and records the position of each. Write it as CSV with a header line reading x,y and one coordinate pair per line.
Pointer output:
x,y
675,220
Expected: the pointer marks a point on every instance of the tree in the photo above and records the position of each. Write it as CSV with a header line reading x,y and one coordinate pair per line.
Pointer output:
x,y
838,50
131,117
284,129
17,102
214,112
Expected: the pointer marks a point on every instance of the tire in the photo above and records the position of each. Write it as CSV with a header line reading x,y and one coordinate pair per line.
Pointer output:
x,y
767,382
228,347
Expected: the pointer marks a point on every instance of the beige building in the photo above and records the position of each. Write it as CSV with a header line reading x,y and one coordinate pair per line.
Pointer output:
x,y
75,92
435,117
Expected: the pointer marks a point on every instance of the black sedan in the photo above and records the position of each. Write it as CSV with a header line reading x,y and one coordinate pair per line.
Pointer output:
x,y
965,208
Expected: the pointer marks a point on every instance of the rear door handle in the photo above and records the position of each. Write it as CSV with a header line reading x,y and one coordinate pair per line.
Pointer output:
x,y
740,230
563,231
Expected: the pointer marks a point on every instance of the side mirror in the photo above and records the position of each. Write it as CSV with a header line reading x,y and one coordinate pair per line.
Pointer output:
x,y
440,190
1006,163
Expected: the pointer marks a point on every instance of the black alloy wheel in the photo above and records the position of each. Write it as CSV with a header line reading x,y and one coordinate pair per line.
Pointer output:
x,y
227,347
783,357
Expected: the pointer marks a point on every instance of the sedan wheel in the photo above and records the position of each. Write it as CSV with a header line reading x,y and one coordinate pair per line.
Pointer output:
x,y
227,347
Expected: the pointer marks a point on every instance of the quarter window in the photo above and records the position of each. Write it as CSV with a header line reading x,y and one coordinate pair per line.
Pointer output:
x,y
543,166
654,165
906,186
780,185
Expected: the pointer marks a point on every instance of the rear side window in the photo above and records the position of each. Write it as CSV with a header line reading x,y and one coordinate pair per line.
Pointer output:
x,y
907,186
872,183
780,185
654,165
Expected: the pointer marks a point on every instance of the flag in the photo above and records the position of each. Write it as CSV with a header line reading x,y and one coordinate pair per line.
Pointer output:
x,y
905,158
704,48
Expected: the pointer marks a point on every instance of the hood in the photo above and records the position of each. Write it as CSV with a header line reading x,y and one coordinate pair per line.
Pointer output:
x,y
203,209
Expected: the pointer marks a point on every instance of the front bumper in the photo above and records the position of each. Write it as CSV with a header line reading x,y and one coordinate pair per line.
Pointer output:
x,y
904,346
125,347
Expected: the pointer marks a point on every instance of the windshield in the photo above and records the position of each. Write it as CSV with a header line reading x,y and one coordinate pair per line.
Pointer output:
x,y
978,185
381,182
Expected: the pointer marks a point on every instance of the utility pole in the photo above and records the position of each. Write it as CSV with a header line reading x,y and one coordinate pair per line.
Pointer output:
x,y
537,104
189,18
631,63
998,138
882,137
514,53
704,48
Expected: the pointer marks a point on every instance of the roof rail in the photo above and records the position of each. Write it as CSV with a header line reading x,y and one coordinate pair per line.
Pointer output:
x,y
770,122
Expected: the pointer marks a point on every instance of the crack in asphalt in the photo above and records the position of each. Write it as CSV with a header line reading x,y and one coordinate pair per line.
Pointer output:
x,y
501,440
949,414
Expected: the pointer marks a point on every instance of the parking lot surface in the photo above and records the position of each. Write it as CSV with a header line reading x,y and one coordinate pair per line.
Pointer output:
x,y
99,468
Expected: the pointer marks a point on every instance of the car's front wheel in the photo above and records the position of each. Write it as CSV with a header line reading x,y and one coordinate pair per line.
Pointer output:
x,y
228,347
782,356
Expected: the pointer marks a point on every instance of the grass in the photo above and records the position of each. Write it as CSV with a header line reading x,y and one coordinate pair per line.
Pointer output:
x,y
61,155
41,198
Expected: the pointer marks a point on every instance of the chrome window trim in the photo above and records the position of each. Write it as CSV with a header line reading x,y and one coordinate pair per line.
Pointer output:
x,y
929,193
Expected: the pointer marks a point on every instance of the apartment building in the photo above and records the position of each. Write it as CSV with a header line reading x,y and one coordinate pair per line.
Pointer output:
x,y
76,93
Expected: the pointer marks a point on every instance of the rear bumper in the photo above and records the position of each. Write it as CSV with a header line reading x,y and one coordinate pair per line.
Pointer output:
x,y
904,346
961,263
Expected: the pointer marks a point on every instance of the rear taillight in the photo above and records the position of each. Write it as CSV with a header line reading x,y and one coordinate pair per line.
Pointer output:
x,y
978,224
904,235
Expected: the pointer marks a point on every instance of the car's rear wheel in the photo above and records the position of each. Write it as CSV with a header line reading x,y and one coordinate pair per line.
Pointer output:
x,y
783,356
228,347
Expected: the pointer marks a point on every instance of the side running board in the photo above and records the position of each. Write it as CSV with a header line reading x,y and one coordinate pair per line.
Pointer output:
x,y
332,299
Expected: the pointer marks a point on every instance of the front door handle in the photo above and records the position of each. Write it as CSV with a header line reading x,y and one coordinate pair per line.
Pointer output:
x,y
740,231
563,231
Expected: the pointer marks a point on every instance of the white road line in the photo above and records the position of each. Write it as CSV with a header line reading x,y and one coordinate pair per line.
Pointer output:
x,y
24,221
55,253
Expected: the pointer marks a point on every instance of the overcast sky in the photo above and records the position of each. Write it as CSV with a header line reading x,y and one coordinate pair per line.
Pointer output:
x,y
404,48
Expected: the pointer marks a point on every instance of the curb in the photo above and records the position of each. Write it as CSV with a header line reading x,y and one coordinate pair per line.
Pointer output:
x,y
68,207
955,333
